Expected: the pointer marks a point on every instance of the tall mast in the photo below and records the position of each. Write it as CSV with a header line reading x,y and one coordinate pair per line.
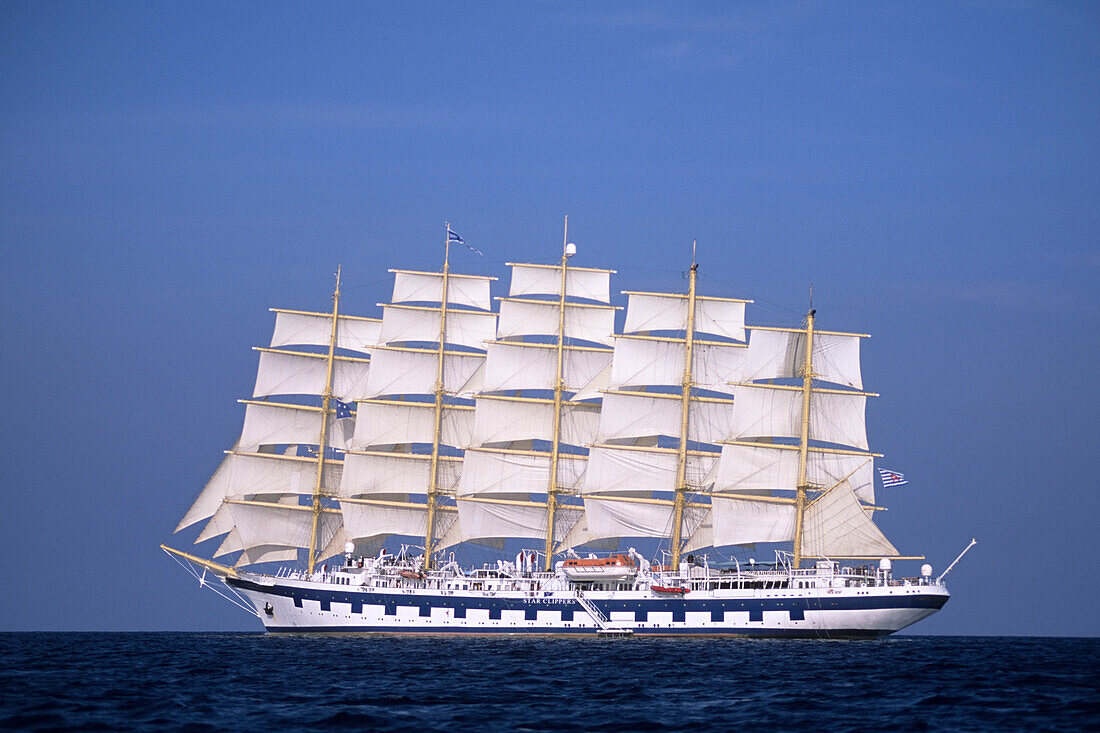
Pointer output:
x,y
804,439
322,440
433,471
685,402
559,383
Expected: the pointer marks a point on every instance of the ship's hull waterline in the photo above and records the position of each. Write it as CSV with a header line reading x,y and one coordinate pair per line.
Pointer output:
x,y
299,606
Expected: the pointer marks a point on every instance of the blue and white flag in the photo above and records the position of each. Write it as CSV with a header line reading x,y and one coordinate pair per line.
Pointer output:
x,y
891,478
343,409
453,237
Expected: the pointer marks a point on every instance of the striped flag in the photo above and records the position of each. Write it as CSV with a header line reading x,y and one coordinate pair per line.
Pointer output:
x,y
891,478
453,237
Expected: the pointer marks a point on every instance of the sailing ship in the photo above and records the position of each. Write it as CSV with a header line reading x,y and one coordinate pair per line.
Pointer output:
x,y
373,449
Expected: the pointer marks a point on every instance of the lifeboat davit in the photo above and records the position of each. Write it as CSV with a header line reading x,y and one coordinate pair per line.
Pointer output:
x,y
674,590
616,567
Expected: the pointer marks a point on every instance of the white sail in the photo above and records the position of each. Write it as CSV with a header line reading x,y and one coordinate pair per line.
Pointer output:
x,y
247,475
253,555
836,525
720,317
607,518
634,415
232,543
374,473
502,420
266,424
391,423
583,283
590,323
382,518
537,361
398,410
285,373
413,372
420,324
280,525
764,467
268,553
642,361
643,414
513,365
211,496
744,521
767,411
617,469
780,354
479,519
300,328
486,471
471,291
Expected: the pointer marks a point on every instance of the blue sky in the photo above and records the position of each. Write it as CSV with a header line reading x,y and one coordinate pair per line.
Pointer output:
x,y
174,169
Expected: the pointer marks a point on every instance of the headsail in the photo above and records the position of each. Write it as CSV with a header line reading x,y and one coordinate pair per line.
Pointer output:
x,y
268,498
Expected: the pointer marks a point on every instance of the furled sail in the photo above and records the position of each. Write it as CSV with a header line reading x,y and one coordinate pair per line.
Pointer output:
x,y
416,411
539,405
264,498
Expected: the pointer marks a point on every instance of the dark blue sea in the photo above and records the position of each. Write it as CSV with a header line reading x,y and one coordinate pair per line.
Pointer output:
x,y
194,682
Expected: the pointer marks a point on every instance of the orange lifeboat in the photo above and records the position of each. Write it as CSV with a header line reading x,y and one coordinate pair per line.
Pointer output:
x,y
616,567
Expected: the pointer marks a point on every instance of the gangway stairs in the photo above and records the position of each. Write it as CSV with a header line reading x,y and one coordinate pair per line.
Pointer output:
x,y
603,624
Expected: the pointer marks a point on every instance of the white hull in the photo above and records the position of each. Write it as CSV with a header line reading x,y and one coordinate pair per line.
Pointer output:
x,y
296,605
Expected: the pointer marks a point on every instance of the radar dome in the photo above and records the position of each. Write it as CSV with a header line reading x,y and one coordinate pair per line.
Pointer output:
x,y
570,249
885,564
349,548
926,570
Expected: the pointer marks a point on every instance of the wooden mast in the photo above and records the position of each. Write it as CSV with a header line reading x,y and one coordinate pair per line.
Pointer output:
x,y
322,440
685,401
552,488
804,438
433,470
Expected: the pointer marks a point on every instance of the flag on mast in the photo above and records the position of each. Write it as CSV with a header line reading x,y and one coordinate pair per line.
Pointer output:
x,y
453,237
891,478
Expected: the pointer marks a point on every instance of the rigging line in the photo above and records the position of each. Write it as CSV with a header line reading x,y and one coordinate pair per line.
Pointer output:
x,y
241,603
724,285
